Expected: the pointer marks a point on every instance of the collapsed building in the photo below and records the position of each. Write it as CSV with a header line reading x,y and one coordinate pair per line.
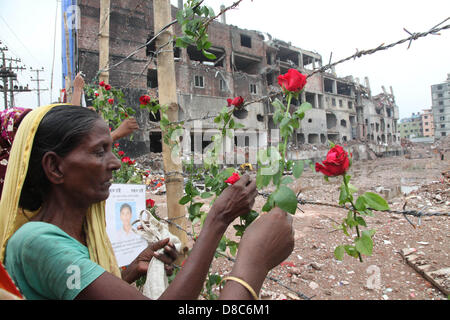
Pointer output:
x,y
247,64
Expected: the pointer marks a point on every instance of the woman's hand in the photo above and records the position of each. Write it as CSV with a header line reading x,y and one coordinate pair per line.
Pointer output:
x,y
236,200
265,244
139,266
127,127
268,240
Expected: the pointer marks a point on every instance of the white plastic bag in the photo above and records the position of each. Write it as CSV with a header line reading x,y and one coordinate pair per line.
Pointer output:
x,y
153,230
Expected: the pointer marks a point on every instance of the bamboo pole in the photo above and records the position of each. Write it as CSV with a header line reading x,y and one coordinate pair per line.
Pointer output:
x,y
168,96
103,40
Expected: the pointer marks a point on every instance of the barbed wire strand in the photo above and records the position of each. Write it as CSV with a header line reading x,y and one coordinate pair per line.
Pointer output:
x,y
415,213
358,54
413,36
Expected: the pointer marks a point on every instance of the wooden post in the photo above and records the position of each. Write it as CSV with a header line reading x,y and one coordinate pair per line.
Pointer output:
x,y
103,40
168,96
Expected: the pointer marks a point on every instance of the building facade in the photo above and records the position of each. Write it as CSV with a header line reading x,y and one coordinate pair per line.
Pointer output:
x,y
411,127
247,64
440,97
428,123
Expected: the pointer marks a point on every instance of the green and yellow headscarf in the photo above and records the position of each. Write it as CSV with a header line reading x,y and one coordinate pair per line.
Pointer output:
x,y
12,217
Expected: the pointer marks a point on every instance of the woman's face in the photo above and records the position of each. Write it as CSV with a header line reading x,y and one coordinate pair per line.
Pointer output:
x,y
88,168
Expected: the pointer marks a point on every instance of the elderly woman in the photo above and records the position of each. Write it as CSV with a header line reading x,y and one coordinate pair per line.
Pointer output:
x,y
52,222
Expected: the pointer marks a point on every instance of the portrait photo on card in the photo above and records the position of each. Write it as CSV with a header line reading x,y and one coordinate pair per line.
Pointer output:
x,y
123,206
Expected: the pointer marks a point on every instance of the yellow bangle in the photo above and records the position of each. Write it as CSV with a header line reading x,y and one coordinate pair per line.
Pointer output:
x,y
242,282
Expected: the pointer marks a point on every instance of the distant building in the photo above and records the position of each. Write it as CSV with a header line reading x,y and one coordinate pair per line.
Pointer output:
x,y
440,97
411,127
428,123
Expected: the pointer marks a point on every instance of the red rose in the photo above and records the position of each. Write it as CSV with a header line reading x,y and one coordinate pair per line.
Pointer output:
x,y
120,153
237,102
150,203
126,115
336,163
233,179
292,81
125,159
107,87
111,101
116,145
131,162
102,84
96,93
145,99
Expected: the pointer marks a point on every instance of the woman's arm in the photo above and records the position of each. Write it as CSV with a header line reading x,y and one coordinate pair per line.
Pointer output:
x,y
127,127
234,201
78,85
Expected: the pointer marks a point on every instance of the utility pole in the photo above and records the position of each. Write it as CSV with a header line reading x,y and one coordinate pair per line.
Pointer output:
x,y
6,73
168,96
38,80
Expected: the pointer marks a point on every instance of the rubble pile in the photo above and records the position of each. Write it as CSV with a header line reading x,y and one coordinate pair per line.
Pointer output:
x,y
151,161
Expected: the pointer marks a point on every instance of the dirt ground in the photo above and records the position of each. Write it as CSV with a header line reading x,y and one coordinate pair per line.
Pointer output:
x,y
312,270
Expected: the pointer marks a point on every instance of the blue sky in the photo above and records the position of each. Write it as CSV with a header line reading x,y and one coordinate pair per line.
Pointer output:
x,y
323,26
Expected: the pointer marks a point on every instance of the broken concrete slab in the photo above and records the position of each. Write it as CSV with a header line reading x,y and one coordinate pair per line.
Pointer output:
x,y
439,278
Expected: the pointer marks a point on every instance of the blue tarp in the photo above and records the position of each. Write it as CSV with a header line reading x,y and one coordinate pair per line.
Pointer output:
x,y
70,8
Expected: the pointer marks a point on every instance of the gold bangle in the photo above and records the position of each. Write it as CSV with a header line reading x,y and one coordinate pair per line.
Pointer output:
x,y
242,282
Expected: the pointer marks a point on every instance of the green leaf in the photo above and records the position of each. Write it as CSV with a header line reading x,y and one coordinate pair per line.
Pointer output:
x,y
194,210
239,230
285,199
206,195
266,180
223,244
298,169
351,251
305,106
209,55
360,204
352,189
370,232
250,217
364,244
269,204
286,180
339,252
376,202
343,195
278,104
361,221
185,200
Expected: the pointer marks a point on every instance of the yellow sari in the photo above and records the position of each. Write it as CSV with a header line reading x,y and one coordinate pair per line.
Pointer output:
x,y
12,217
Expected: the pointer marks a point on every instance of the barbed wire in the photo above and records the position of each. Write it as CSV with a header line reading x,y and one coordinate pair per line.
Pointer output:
x,y
358,54
415,213
163,29
413,36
